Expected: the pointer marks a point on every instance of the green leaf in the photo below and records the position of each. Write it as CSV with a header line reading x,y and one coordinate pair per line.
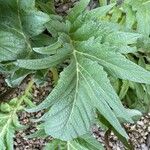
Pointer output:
x,y
46,62
96,48
9,121
130,16
71,108
140,9
70,145
17,77
56,144
103,2
46,6
78,95
41,40
8,127
124,89
122,38
4,107
114,62
98,12
93,28
77,10
51,49
75,146
19,20
86,142
57,26
135,114
89,142
116,15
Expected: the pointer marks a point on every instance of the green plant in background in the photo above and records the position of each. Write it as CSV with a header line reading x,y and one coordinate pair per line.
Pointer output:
x,y
9,122
134,16
98,48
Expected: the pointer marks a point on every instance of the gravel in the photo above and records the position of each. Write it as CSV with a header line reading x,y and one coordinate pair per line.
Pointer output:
x,y
39,93
139,134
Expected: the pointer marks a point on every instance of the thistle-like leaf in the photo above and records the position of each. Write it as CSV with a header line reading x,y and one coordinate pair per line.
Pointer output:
x,y
8,124
93,48
19,21
96,50
141,9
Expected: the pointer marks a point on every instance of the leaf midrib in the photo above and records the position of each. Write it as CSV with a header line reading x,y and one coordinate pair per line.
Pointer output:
x,y
76,88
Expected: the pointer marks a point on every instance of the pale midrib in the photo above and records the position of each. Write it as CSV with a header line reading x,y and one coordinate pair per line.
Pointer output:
x,y
68,146
13,113
77,80
77,85
99,86
11,116
76,89
100,60
96,97
108,97
95,81
146,2
3,131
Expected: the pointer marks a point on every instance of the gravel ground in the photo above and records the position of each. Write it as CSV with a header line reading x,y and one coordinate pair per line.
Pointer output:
x,y
139,132
21,143
62,8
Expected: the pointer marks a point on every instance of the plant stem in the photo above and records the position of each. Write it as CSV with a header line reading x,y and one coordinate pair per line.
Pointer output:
x,y
14,111
55,75
107,139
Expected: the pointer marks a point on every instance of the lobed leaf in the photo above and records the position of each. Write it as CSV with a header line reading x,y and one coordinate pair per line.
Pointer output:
x,y
97,49
19,20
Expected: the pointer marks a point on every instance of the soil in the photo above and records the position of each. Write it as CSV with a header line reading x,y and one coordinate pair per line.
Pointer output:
x,y
139,132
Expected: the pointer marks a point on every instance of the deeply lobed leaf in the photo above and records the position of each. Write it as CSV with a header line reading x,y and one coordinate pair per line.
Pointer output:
x,y
19,21
96,48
